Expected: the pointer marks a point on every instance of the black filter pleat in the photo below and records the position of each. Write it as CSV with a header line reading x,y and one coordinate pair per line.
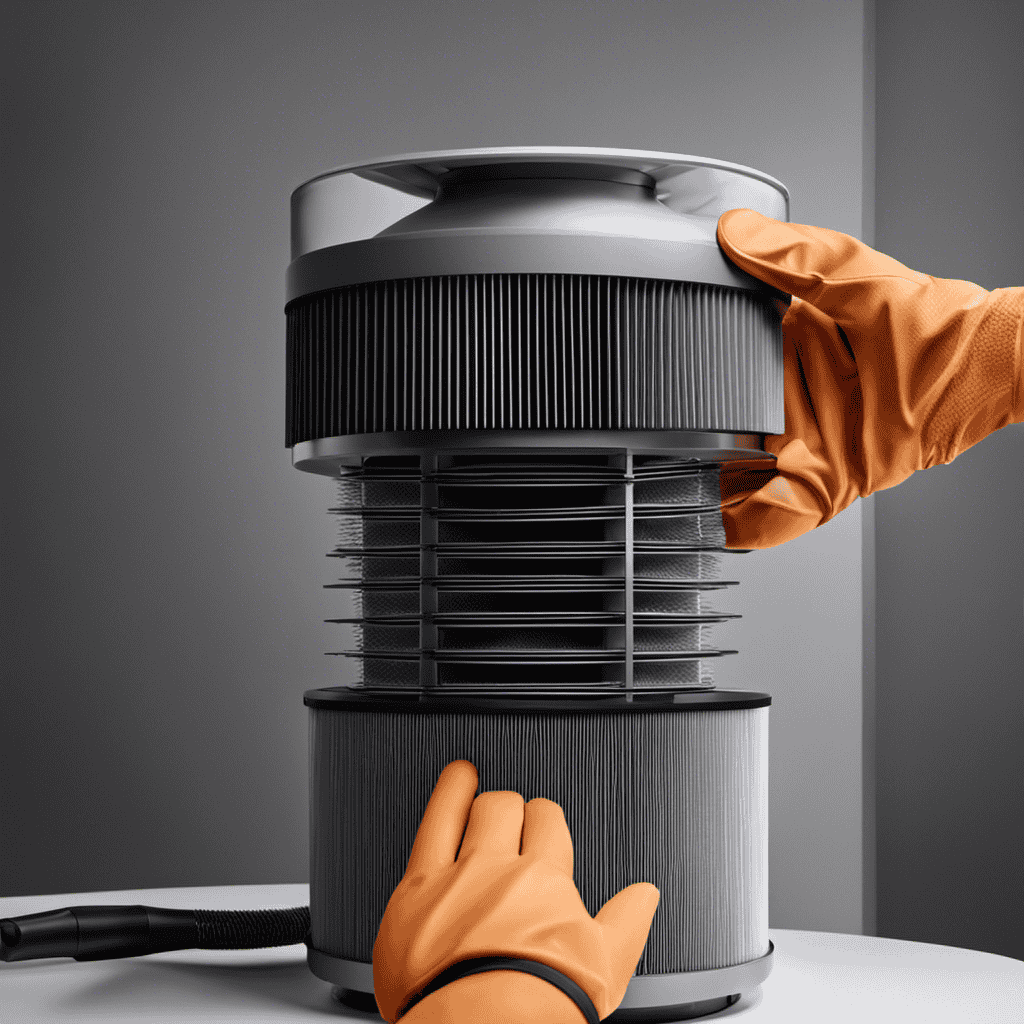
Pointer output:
x,y
532,352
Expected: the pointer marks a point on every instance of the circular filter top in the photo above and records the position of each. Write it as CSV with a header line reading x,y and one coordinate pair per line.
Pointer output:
x,y
359,200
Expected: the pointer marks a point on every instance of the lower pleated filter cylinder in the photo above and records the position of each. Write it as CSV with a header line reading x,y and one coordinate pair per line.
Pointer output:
x,y
675,795
528,427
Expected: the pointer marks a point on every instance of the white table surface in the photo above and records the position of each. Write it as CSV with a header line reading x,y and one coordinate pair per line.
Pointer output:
x,y
818,977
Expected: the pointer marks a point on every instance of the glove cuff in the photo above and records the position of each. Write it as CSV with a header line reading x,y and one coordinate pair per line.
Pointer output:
x,y
1017,395
478,965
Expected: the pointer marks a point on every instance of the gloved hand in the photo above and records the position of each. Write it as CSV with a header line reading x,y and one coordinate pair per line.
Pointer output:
x,y
492,900
888,371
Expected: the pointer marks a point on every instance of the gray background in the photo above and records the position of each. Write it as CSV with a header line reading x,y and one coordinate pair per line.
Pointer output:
x,y
949,617
162,561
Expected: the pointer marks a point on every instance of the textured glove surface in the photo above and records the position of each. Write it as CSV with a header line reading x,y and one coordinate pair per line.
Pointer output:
x,y
493,900
887,371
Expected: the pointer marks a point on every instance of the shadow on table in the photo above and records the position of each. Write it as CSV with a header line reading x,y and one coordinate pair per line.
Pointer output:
x,y
142,987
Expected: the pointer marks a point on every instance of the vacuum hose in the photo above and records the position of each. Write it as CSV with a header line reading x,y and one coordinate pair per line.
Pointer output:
x,y
104,933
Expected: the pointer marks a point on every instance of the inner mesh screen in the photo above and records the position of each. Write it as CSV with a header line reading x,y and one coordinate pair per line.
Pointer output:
x,y
502,570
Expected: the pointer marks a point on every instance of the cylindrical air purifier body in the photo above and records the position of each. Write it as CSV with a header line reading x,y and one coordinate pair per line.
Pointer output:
x,y
527,370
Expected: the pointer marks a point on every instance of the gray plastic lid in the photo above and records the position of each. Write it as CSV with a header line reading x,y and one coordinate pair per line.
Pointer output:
x,y
360,200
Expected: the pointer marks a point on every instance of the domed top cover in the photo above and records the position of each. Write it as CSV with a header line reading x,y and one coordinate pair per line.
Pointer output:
x,y
519,209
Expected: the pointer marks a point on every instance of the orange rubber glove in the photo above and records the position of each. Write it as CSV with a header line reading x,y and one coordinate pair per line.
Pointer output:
x,y
492,900
887,371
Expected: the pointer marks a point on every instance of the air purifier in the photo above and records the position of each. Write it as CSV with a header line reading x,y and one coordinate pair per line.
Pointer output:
x,y
526,371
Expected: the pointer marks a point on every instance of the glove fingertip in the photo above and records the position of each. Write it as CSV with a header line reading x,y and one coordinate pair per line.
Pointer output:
x,y
649,895
740,220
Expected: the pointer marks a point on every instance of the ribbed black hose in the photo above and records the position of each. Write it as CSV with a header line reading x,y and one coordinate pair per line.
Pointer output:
x,y
251,929
107,932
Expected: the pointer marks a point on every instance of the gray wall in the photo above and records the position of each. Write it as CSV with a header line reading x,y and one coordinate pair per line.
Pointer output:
x,y
950,541
162,561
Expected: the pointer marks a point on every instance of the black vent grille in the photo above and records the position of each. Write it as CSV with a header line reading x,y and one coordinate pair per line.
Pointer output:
x,y
532,352
519,571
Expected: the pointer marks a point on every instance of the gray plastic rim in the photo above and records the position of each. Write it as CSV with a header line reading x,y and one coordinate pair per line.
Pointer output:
x,y
327,455
403,257
419,174
644,992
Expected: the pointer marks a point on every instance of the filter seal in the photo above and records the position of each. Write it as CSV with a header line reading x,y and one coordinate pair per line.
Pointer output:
x,y
341,698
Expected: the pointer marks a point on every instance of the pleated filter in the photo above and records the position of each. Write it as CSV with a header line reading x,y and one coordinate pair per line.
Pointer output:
x,y
529,352
527,371
689,810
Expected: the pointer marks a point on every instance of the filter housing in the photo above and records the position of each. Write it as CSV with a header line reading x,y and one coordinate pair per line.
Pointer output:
x,y
528,369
